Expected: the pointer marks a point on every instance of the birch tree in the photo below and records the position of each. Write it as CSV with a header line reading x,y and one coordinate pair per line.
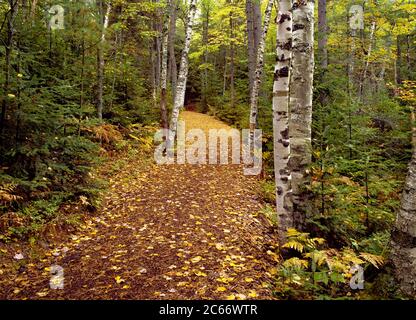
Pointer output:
x,y
254,99
253,14
281,116
367,62
164,71
183,75
404,235
301,97
101,63
323,33
173,71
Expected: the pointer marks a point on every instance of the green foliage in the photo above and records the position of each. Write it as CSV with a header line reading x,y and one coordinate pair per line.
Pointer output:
x,y
51,141
319,272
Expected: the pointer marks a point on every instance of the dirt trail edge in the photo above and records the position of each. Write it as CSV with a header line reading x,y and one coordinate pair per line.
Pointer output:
x,y
174,232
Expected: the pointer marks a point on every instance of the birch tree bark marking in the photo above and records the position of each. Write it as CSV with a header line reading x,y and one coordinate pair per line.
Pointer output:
x,y
301,97
183,75
254,99
281,117
404,235
101,63
164,70
250,44
367,62
173,72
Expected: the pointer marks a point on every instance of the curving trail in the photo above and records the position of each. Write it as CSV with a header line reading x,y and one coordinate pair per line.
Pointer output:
x,y
174,232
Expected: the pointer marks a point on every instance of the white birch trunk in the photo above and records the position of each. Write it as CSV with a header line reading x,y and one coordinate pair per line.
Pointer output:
x,y
164,71
101,63
183,76
281,117
367,62
301,97
404,235
254,99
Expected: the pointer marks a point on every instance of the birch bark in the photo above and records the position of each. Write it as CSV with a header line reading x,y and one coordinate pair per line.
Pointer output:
x,y
254,99
183,76
164,72
404,235
101,62
281,117
173,70
254,29
301,97
367,62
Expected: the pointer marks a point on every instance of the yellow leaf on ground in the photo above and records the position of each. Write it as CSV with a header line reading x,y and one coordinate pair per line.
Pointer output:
x,y
119,280
196,259
221,289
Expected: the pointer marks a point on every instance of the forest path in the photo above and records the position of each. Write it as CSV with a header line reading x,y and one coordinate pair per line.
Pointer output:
x,y
174,232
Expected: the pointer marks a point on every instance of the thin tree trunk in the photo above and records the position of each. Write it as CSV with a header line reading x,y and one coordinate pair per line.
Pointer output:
x,y
113,85
398,75
301,97
408,62
232,62
413,124
33,9
183,77
367,62
205,74
14,6
323,34
254,100
404,235
158,27
224,86
164,74
254,30
153,73
101,62
250,43
281,117
173,70
257,27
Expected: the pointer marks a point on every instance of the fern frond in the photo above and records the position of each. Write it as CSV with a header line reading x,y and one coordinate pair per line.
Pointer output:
x,y
295,245
376,261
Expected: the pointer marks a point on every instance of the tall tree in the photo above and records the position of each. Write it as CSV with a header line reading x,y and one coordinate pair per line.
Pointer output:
x,y
232,58
323,33
281,116
253,16
173,69
301,97
206,12
164,70
105,18
404,235
183,75
254,99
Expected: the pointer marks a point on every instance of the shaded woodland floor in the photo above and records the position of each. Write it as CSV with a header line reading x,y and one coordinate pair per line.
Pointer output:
x,y
173,232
